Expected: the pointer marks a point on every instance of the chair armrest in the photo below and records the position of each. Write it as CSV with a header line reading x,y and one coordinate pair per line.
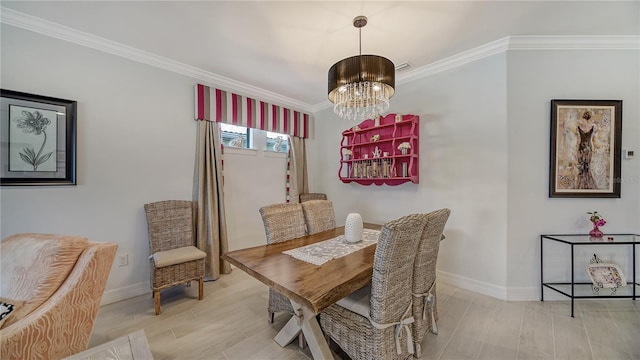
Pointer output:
x,y
62,325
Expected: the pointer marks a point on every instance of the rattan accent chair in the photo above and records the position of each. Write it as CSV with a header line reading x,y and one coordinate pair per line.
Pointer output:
x,y
374,322
424,310
319,215
174,258
312,196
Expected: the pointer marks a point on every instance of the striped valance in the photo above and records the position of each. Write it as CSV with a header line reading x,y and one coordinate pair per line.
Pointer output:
x,y
226,107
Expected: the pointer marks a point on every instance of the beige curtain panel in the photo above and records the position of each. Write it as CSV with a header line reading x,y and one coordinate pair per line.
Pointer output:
x,y
298,178
211,226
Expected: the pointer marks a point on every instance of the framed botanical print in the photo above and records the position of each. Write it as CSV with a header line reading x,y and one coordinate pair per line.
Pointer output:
x,y
38,139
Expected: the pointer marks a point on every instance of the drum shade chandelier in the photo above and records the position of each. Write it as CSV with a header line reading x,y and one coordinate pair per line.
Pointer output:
x,y
360,86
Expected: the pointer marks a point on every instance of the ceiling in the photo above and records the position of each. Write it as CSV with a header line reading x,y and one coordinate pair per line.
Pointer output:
x,y
287,47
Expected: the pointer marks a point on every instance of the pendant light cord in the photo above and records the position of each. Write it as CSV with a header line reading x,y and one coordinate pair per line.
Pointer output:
x,y
360,53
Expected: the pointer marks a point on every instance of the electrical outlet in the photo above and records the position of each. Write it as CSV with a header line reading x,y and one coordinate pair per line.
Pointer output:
x,y
123,260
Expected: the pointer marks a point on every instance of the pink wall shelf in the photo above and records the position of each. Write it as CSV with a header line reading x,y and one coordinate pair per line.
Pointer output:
x,y
369,154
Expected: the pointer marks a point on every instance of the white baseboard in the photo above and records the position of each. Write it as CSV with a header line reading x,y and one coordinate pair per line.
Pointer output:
x,y
481,287
531,293
126,292
525,294
499,292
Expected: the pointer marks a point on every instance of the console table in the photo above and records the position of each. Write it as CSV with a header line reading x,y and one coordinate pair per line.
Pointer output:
x,y
583,290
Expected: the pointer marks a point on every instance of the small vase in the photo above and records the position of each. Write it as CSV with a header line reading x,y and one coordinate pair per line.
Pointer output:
x,y
353,228
595,232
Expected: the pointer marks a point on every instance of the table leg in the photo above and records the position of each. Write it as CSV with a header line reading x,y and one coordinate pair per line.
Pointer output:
x,y
305,320
541,270
573,281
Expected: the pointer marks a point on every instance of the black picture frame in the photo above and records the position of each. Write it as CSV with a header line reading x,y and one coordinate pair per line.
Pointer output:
x,y
29,154
586,148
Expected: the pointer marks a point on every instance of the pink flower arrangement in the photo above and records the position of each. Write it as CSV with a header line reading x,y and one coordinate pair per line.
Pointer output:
x,y
596,219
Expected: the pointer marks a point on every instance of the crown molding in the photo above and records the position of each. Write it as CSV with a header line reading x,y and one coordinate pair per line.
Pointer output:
x,y
451,62
51,29
516,43
592,42
465,57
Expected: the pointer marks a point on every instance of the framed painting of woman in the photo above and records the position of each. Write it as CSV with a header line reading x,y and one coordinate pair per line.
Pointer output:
x,y
585,148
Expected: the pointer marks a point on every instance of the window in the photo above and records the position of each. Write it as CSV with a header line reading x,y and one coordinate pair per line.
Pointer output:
x,y
234,136
275,138
242,137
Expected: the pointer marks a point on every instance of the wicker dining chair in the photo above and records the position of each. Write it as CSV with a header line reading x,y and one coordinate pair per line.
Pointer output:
x,y
374,322
425,312
319,215
282,222
312,196
174,260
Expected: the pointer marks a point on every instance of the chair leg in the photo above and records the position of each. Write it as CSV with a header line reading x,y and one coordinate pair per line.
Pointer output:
x,y
270,317
301,341
417,351
200,288
156,295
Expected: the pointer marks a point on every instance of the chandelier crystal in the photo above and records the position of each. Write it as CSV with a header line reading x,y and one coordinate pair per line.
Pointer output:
x,y
361,100
360,86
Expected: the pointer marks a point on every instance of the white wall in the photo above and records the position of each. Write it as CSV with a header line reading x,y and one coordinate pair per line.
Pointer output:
x,y
484,153
463,166
136,142
534,78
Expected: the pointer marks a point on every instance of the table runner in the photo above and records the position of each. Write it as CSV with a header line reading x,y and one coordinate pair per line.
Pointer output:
x,y
320,253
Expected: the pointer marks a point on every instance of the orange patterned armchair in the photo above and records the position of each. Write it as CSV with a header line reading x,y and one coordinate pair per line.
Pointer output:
x,y
52,285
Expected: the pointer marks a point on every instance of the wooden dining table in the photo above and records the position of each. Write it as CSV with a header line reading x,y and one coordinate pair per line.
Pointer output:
x,y
310,288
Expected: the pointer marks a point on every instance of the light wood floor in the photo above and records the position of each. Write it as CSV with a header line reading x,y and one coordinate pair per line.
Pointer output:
x,y
231,323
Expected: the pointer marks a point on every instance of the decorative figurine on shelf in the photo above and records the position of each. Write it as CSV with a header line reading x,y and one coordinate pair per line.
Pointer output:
x,y
347,154
377,152
404,147
398,117
598,221
375,137
278,144
376,120
237,142
355,128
